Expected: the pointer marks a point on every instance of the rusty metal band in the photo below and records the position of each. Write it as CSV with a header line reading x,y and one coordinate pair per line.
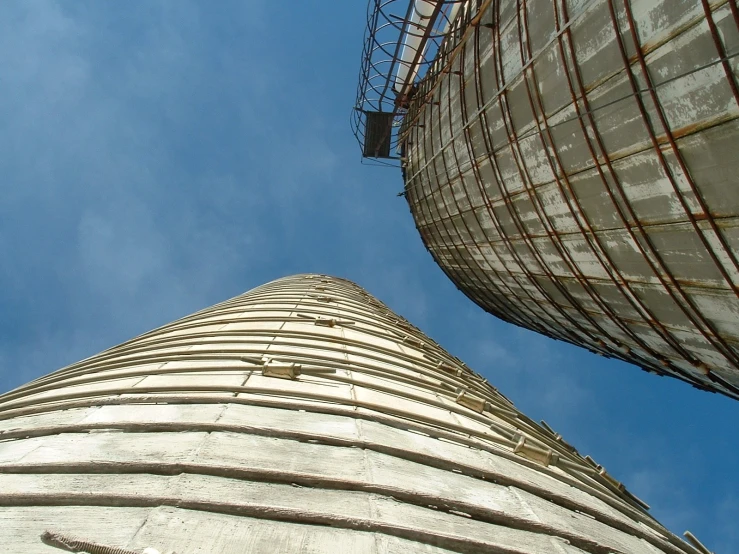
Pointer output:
x,y
543,265
435,222
555,238
446,160
698,320
456,165
730,77
678,155
640,307
523,314
563,183
563,334
619,187
525,178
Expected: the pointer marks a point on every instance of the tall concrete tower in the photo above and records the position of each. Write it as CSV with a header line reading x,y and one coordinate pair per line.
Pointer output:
x,y
302,416
571,166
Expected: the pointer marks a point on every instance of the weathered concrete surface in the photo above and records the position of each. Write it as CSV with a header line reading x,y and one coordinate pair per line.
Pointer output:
x,y
572,166
383,442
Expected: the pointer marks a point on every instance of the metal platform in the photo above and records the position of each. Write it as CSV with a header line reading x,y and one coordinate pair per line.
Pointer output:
x,y
401,39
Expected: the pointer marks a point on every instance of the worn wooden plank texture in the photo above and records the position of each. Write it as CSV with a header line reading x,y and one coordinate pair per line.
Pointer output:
x,y
21,527
335,508
188,532
319,465
191,532
416,447
376,457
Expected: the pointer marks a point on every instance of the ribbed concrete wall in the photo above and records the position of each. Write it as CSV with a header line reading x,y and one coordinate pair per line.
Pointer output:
x,y
187,439
572,166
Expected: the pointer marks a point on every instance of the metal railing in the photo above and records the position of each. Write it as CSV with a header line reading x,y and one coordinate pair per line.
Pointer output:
x,y
401,40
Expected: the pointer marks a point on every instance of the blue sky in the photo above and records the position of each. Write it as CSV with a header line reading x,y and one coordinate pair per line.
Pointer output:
x,y
158,157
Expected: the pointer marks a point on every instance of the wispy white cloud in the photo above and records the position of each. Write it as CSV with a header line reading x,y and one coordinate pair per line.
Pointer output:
x,y
661,489
536,372
98,210
161,157
725,516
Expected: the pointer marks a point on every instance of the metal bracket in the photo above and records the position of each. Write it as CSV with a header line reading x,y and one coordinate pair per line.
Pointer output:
x,y
535,453
467,400
292,371
327,322
273,368
557,437
322,298
255,361
696,543
451,369
413,341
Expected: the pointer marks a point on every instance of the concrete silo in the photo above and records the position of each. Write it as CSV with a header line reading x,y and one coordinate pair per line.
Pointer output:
x,y
301,416
573,166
